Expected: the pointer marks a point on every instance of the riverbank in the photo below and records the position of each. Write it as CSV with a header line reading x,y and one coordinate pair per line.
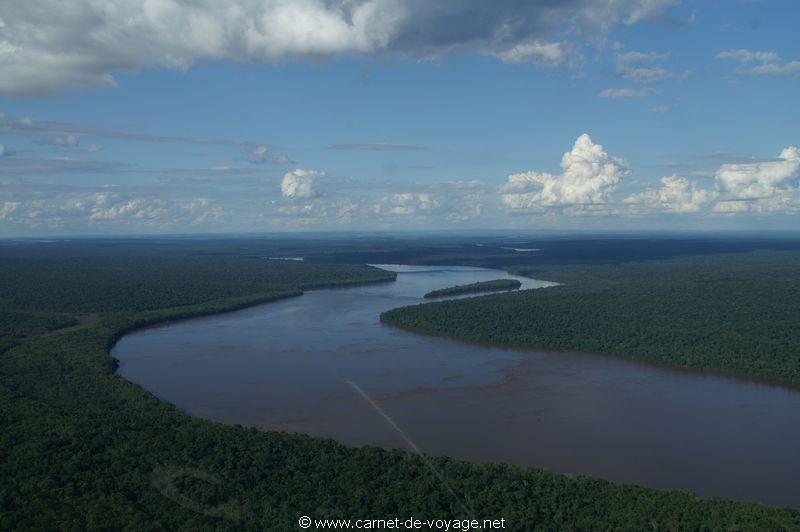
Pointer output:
x,y
733,315
84,448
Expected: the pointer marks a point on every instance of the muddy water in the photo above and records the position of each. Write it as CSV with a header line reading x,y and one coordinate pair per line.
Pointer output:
x,y
296,365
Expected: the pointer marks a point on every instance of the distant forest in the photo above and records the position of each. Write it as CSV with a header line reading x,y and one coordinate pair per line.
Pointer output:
x,y
81,448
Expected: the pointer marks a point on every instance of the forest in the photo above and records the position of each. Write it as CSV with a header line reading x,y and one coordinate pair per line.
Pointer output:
x,y
82,448
494,285
737,314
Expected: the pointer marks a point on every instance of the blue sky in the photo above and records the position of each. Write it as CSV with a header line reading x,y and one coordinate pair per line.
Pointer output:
x,y
379,114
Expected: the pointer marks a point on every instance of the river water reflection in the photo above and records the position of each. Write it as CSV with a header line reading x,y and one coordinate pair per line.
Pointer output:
x,y
294,365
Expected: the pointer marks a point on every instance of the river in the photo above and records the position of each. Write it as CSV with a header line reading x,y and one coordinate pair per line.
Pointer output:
x,y
323,364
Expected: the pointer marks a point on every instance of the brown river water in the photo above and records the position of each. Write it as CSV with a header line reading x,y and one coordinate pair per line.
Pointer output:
x,y
301,365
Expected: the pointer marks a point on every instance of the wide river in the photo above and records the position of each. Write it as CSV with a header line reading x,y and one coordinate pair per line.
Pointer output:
x,y
323,364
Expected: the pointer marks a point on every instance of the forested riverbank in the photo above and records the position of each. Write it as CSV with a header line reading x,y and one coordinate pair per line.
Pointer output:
x,y
82,448
737,314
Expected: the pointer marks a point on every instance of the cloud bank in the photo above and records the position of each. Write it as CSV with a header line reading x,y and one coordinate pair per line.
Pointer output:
x,y
676,195
47,45
756,187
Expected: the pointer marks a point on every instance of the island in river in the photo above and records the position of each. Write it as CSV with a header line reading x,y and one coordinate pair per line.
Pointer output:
x,y
495,285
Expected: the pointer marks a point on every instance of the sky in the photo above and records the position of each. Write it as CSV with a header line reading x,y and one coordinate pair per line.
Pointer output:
x,y
196,116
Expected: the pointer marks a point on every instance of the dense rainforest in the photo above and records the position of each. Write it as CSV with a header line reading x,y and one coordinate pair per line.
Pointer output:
x,y
732,313
82,448
495,285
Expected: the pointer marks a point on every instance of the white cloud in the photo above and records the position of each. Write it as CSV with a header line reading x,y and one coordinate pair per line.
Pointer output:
x,y
659,109
589,176
5,152
792,69
139,208
627,93
37,208
8,208
760,180
283,159
66,141
299,183
747,56
759,187
676,194
540,53
406,203
770,63
305,199
258,154
731,206
49,45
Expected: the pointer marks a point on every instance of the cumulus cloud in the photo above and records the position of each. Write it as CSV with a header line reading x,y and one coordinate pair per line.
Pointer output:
x,y
5,152
299,183
763,187
627,93
185,202
760,180
47,45
258,154
589,176
38,208
137,208
676,194
283,159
